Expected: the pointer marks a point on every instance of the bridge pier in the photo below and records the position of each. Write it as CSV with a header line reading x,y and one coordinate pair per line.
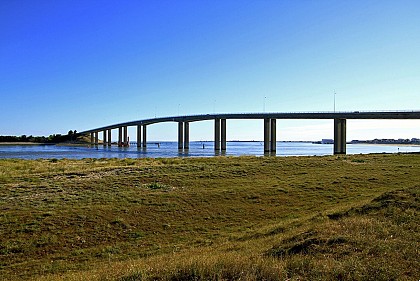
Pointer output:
x,y
144,136
270,135
91,138
266,135
223,134
109,137
180,135
120,136
217,134
183,135
96,138
104,136
138,135
186,135
339,136
273,138
125,143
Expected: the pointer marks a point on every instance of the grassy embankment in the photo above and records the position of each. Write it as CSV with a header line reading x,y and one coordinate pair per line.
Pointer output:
x,y
248,218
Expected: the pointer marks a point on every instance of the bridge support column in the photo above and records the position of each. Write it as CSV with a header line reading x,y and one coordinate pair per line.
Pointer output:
x,y
270,141
109,137
91,138
273,139
126,138
96,138
217,134
223,134
144,136
339,136
120,138
138,135
186,135
267,134
104,137
180,135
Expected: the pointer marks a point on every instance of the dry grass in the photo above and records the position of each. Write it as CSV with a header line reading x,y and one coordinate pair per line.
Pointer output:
x,y
222,218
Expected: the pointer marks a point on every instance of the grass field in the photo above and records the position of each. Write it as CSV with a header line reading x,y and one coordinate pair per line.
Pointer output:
x,y
221,218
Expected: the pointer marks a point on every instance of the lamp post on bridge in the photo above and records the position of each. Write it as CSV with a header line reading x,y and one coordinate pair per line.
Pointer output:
x,y
264,104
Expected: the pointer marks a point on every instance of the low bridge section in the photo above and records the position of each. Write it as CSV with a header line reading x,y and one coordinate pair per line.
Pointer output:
x,y
269,120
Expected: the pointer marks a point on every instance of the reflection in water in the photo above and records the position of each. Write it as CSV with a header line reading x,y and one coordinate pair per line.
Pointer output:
x,y
196,149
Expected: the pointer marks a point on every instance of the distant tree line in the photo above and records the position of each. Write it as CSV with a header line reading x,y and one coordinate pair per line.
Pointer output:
x,y
55,138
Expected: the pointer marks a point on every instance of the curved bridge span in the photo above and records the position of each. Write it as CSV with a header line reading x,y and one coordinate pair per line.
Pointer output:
x,y
269,120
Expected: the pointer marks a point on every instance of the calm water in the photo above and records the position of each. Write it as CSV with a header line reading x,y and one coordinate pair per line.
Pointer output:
x,y
169,149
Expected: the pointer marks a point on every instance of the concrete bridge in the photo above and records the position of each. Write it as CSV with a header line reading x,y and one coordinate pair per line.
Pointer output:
x,y
269,120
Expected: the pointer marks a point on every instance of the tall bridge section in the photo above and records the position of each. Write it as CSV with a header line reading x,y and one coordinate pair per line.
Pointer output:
x,y
269,120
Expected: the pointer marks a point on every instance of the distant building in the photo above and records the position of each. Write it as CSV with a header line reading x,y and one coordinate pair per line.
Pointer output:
x,y
327,141
375,141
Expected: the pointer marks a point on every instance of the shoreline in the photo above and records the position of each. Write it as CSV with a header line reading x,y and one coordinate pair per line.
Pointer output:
x,y
390,144
42,143
75,143
25,143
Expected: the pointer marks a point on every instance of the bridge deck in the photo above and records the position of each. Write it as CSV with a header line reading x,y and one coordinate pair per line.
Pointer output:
x,y
272,115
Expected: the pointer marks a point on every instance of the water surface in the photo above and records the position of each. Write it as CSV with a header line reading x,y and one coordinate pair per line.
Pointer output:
x,y
170,149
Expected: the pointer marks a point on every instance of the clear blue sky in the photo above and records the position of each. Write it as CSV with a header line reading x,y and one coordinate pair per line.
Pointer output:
x,y
75,64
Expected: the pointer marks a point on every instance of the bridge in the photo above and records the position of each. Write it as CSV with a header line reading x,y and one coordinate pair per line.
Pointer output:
x,y
269,120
